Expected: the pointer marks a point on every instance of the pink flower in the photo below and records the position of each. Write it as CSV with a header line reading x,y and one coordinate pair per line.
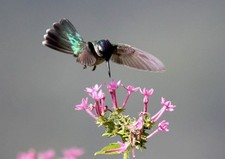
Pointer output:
x,y
93,89
99,98
112,90
72,153
167,106
146,94
31,154
129,89
112,86
93,92
123,147
162,126
49,154
83,106
98,95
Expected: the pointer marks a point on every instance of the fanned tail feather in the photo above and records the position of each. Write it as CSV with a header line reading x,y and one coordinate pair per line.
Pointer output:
x,y
57,37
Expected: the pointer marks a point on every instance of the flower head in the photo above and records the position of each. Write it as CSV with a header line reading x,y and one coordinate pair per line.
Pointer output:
x,y
163,126
146,94
98,95
93,92
113,85
132,131
131,88
93,89
82,105
167,105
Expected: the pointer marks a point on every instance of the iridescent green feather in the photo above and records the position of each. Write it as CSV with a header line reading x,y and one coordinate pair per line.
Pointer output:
x,y
77,44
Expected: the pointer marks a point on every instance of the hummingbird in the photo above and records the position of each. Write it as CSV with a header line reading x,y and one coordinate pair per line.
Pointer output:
x,y
64,37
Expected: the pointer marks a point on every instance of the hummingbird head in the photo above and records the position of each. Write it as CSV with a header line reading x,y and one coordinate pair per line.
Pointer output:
x,y
105,49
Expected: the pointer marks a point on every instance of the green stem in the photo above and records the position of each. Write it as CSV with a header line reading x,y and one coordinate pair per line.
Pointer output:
x,y
126,155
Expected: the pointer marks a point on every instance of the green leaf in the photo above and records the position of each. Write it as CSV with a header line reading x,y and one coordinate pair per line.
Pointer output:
x,y
111,146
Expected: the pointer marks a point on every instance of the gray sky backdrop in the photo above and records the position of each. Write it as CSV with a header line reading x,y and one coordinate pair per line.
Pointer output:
x,y
39,86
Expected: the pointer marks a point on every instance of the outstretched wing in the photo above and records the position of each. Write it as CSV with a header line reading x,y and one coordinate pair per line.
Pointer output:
x,y
132,57
65,38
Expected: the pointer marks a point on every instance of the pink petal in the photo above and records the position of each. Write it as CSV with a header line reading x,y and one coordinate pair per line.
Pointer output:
x,y
83,104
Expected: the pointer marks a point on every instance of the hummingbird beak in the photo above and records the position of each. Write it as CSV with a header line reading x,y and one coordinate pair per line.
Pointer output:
x,y
108,66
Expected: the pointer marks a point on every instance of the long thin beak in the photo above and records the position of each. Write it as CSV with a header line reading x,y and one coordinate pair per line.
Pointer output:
x,y
108,66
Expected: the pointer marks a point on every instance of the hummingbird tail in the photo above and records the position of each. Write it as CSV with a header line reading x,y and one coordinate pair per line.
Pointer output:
x,y
57,37
108,66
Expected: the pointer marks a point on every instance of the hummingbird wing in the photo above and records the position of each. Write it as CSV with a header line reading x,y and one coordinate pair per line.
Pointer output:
x,y
64,37
133,57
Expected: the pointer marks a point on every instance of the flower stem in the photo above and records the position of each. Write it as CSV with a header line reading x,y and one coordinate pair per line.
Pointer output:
x,y
126,155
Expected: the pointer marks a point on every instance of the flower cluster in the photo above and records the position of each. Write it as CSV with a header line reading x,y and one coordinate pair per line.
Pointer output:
x,y
72,153
133,131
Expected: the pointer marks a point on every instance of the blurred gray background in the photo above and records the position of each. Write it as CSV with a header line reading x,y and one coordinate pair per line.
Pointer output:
x,y
39,86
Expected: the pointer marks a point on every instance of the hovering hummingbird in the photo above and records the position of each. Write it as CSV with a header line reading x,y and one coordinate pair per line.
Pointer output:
x,y
64,37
